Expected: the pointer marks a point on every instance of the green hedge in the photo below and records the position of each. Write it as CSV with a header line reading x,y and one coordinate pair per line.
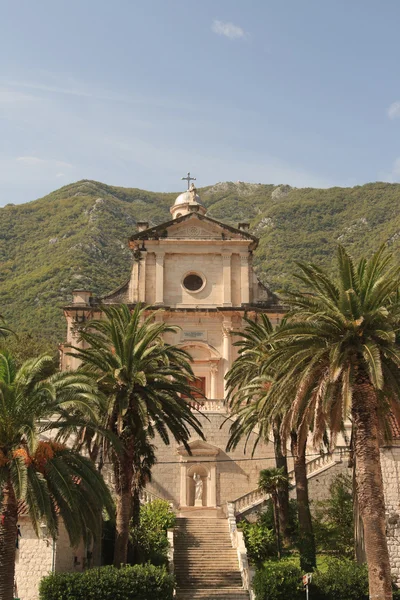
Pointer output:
x,y
140,582
278,580
338,579
342,578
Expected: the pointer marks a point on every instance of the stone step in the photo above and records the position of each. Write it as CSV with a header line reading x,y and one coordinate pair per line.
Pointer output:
x,y
212,594
206,560
198,584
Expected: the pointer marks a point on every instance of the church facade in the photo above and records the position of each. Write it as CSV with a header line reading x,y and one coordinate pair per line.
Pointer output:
x,y
195,273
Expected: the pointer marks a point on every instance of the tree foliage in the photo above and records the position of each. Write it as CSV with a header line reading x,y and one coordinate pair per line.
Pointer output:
x,y
47,479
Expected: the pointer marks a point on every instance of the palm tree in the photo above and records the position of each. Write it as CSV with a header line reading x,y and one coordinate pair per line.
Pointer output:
x,y
147,386
52,481
246,383
272,481
4,330
337,357
262,415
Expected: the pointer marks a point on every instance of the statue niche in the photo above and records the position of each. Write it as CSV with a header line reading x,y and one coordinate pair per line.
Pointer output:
x,y
197,486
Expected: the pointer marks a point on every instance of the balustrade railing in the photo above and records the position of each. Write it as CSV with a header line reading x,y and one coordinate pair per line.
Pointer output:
x,y
321,462
146,497
207,405
238,543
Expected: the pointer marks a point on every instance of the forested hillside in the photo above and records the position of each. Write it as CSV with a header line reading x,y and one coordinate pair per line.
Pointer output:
x,y
77,237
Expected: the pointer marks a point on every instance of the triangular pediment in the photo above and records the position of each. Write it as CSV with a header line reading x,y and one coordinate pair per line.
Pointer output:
x,y
195,226
199,448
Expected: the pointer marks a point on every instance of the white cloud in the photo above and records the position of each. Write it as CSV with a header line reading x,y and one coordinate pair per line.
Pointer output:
x,y
34,161
227,29
60,175
394,110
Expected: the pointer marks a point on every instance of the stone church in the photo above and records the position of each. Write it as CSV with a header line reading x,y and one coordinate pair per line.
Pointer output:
x,y
196,273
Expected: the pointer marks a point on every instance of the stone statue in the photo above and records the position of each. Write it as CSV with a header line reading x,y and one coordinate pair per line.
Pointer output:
x,y
192,192
198,487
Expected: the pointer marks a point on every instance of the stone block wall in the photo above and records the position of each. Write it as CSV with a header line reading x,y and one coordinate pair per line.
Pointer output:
x,y
319,483
38,557
237,473
390,462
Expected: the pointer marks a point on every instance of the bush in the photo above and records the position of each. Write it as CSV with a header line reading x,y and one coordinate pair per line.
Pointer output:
x,y
339,579
108,583
150,538
342,578
260,540
278,580
333,519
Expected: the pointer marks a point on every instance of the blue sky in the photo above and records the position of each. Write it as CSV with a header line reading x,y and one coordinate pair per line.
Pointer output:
x,y
136,93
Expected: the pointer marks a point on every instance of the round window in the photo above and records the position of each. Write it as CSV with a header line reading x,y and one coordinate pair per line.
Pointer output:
x,y
193,282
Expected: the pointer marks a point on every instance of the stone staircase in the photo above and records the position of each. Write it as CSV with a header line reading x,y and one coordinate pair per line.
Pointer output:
x,y
206,565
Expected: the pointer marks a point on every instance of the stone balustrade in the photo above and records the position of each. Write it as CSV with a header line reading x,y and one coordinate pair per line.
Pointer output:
x,y
170,536
146,497
314,466
214,406
237,540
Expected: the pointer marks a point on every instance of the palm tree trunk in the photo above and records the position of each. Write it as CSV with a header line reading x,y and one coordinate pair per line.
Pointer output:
x,y
306,533
369,484
283,493
135,521
8,536
123,470
275,504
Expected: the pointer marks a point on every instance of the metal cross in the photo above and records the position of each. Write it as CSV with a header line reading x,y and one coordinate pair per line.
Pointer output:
x,y
188,179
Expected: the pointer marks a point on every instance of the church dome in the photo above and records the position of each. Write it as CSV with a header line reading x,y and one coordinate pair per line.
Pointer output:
x,y
187,202
188,198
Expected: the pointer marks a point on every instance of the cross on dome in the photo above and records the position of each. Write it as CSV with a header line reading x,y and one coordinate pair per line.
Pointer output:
x,y
188,179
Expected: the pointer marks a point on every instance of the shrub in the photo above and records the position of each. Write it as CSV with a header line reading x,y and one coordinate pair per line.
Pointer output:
x,y
278,580
141,582
260,540
342,578
333,519
150,537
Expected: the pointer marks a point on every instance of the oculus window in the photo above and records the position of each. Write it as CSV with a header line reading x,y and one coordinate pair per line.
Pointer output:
x,y
193,282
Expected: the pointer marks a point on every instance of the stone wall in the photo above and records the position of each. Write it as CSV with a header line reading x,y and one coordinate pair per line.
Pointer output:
x,y
319,483
390,461
236,474
38,557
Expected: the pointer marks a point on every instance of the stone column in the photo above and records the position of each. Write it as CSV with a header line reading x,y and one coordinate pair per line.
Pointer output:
x,y
213,387
160,277
227,280
183,494
226,331
244,279
212,495
142,277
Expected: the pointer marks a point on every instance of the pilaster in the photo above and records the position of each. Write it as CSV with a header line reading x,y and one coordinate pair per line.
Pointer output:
x,y
244,278
226,332
227,278
160,257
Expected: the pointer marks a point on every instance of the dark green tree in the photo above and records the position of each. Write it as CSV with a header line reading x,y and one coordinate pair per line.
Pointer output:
x,y
146,384
271,482
53,481
336,357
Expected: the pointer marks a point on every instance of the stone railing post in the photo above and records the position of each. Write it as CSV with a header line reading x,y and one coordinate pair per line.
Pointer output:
x,y
238,543
170,537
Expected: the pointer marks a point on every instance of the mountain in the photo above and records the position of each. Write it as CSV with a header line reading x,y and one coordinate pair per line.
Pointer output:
x,y
77,237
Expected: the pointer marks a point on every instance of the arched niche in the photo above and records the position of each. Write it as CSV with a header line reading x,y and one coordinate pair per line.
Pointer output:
x,y
201,460
204,474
